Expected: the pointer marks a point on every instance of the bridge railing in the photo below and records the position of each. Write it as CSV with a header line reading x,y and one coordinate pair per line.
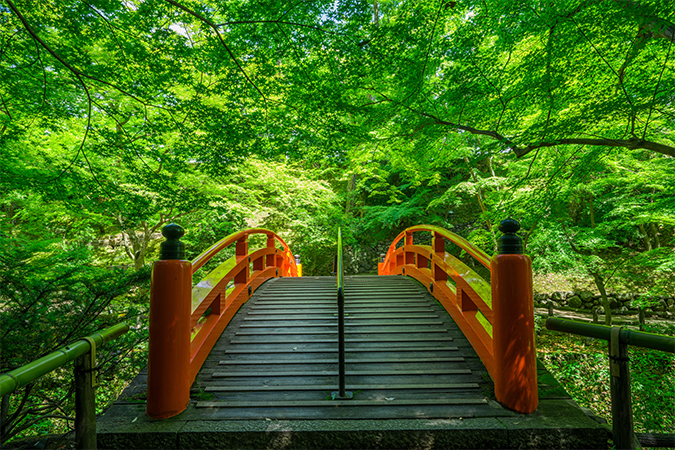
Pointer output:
x,y
83,352
497,318
186,321
619,339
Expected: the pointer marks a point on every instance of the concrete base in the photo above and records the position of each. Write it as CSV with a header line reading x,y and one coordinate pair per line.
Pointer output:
x,y
557,423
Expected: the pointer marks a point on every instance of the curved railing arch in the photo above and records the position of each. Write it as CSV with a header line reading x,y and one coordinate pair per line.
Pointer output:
x,y
468,299
237,278
496,317
186,321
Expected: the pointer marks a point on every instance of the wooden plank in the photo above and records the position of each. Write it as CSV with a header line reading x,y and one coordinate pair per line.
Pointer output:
x,y
339,404
330,317
364,307
371,299
347,341
320,333
332,294
324,311
359,387
367,324
348,373
353,350
334,361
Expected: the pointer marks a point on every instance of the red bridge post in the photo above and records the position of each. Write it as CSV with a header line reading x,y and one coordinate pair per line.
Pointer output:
x,y
169,348
513,326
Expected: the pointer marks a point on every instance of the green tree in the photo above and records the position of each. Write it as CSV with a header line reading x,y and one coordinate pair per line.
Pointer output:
x,y
527,76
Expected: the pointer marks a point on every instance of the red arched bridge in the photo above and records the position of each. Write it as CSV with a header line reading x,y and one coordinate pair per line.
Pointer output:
x,y
426,354
497,320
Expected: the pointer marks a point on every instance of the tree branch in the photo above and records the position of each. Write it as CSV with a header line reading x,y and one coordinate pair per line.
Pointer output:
x,y
656,88
302,25
215,27
633,143
76,72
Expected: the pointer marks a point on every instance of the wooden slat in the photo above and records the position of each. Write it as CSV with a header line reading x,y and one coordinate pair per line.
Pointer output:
x,y
357,387
334,361
324,311
347,341
352,350
319,333
333,373
367,324
347,301
343,404
352,318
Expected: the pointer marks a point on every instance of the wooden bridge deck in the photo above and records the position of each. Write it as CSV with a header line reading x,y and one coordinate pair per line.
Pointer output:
x,y
405,357
417,382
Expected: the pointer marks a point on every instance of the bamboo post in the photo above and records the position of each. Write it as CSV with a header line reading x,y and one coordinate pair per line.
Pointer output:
x,y
85,400
169,348
4,412
513,332
622,412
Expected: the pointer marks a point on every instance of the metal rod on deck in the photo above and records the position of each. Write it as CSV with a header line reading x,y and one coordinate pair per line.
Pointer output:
x,y
342,393
341,340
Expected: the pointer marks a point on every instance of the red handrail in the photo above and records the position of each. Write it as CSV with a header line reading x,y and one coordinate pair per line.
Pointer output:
x,y
497,318
226,288
186,321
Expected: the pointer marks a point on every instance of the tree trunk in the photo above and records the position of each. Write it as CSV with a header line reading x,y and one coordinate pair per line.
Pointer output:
x,y
492,170
351,187
376,15
655,235
592,213
527,236
645,237
600,283
4,412
136,243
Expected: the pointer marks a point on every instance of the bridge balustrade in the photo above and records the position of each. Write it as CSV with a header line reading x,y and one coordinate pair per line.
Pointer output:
x,y
186,321
497,318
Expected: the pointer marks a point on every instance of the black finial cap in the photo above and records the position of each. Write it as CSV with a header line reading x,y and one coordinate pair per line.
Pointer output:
x,y
510,243
172,248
